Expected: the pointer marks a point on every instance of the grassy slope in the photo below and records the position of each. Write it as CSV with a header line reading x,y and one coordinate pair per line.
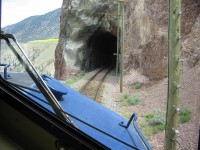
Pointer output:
x,y
40,52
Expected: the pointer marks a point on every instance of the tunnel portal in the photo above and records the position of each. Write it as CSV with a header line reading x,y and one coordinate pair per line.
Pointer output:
x,y
101,50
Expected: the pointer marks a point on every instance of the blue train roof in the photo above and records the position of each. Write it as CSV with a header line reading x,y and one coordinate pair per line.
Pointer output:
x,y
92,118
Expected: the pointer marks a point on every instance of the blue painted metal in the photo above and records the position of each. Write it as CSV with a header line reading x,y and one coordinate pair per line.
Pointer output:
x,y
134,118
140,133
129,122
94,119
6,76
57,89
54,85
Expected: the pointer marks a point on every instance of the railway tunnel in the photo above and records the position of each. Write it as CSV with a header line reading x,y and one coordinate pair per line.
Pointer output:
x,y
100,51
88,37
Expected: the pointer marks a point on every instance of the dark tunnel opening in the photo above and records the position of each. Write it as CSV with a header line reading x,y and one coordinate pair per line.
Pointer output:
x,y
102,49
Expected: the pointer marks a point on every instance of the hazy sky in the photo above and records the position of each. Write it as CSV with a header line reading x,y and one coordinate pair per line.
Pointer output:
x,y
14,11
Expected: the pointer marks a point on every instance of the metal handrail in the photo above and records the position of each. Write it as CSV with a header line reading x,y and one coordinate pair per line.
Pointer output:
x,y
6,76
134,118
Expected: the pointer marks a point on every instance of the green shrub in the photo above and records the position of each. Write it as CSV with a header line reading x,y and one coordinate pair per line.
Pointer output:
x,y
149,116
153,130
70,82
156,121
185,115
137,85
124,97
75,78
125,113
129,100
133,100
161,127
148,131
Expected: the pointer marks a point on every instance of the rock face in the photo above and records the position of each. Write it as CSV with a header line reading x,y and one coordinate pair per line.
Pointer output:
x,y
191,32
86,32
147,37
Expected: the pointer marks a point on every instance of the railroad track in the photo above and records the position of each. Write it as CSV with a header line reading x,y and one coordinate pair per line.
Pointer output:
x,y
93,86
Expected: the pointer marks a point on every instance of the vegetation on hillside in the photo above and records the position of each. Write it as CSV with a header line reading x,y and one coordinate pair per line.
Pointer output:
x,y
36,27
54,40
127,99
37,51
185,115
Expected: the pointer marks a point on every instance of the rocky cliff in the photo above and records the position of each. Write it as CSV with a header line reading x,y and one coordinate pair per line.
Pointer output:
x,y
147,23
85,29
85,33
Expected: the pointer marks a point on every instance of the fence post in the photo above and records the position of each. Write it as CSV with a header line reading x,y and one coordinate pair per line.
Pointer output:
x,y
173,75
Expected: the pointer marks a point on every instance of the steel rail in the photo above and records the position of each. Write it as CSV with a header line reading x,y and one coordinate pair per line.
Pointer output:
x,y
100,84
84,87
100,81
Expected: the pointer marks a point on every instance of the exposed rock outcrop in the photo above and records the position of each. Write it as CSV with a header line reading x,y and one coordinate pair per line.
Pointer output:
x,y
60,64
84,26
147,36
191,45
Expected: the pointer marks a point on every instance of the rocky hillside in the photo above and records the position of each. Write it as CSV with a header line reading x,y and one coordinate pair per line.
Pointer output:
x,y
146,34
36,27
